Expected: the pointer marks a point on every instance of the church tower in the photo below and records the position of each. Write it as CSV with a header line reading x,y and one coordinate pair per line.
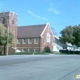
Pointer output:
x,y
10,21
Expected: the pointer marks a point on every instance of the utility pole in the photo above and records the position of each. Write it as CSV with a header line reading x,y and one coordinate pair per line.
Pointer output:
x,y
7,50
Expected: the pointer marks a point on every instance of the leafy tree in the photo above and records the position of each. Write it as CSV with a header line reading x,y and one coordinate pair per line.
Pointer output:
x,y
76,33
67,35
4,36
71,34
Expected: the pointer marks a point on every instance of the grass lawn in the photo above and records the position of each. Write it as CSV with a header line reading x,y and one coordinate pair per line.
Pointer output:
x,y
25,53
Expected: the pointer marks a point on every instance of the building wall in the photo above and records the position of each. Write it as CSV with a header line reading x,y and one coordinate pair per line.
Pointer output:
x,y
41,44
29,46
10,21
10,50
44,38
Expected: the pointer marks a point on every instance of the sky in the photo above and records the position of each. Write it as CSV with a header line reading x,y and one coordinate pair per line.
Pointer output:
x,y
58,13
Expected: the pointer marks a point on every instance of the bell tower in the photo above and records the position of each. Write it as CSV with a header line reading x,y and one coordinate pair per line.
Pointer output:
x,y
10,21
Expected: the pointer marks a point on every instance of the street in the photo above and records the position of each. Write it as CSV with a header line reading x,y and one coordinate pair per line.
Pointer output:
x,y
39,67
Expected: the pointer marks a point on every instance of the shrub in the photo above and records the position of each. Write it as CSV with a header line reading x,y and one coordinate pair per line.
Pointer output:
x,y
47,49
69,52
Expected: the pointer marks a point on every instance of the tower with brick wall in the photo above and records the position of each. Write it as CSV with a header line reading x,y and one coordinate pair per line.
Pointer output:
x,y
9,20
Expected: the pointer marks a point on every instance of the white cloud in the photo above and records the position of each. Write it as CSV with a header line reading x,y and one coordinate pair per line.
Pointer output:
x,y
52,9
36,15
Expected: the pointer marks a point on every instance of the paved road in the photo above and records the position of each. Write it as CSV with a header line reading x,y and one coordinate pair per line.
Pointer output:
x,y
39,67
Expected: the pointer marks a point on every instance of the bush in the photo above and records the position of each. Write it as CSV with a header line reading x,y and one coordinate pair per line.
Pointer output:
x,y
23,53
26,53
69,52
47,49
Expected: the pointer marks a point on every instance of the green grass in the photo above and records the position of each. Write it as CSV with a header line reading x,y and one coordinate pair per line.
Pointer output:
x,y
26,53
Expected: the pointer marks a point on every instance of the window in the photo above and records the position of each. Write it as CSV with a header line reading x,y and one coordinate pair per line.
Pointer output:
x,y
36,40
3,21
29,50
23,50
35,50
12,21
18,41
57,40
29,41
48,37
23,41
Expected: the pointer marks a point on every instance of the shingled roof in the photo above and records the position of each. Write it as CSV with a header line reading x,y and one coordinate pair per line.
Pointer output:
x,y
30,31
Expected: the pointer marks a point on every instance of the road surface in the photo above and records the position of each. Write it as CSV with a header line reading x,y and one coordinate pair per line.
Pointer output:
x,y
39,67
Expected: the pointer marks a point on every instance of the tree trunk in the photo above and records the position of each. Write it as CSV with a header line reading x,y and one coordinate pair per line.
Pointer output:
x,y
4,49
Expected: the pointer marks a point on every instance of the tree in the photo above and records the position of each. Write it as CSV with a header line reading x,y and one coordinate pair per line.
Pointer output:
x,y
4,36
2,31
71,34
76,33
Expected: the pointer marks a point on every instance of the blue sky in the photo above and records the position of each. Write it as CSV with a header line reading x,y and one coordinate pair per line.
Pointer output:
x,y
59,13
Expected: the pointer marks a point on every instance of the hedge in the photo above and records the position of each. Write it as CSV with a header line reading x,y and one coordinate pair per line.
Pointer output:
x,y
69,52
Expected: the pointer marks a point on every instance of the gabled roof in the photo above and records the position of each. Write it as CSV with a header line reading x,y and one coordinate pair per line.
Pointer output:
x,y
30,31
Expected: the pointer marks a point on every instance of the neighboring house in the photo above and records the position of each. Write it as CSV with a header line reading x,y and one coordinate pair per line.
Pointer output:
x,y
33,38
58,45
67,46
71,47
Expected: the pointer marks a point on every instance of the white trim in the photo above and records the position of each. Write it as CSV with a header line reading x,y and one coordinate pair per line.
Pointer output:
x,y
18,41
52,34
29,50
35,40
29,42
51,31
48,37
23,41
23,50
35,50
44,29
50,28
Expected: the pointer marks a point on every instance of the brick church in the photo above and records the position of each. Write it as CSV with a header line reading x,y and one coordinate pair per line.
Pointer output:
x,y
32,38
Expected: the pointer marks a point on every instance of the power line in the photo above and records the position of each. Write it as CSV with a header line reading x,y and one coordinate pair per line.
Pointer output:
x,y
66,22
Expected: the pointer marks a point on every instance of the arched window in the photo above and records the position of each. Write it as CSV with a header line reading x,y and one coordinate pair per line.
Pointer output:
x,y
48,37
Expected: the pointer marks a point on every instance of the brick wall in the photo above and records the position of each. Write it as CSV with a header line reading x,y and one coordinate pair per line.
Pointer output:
x,y
29,46
44,38
10,22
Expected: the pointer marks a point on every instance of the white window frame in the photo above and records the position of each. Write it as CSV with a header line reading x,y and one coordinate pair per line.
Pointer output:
x,y
48,37
36,40
35,51
29,41
18,41
23,41
29,50
23,50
